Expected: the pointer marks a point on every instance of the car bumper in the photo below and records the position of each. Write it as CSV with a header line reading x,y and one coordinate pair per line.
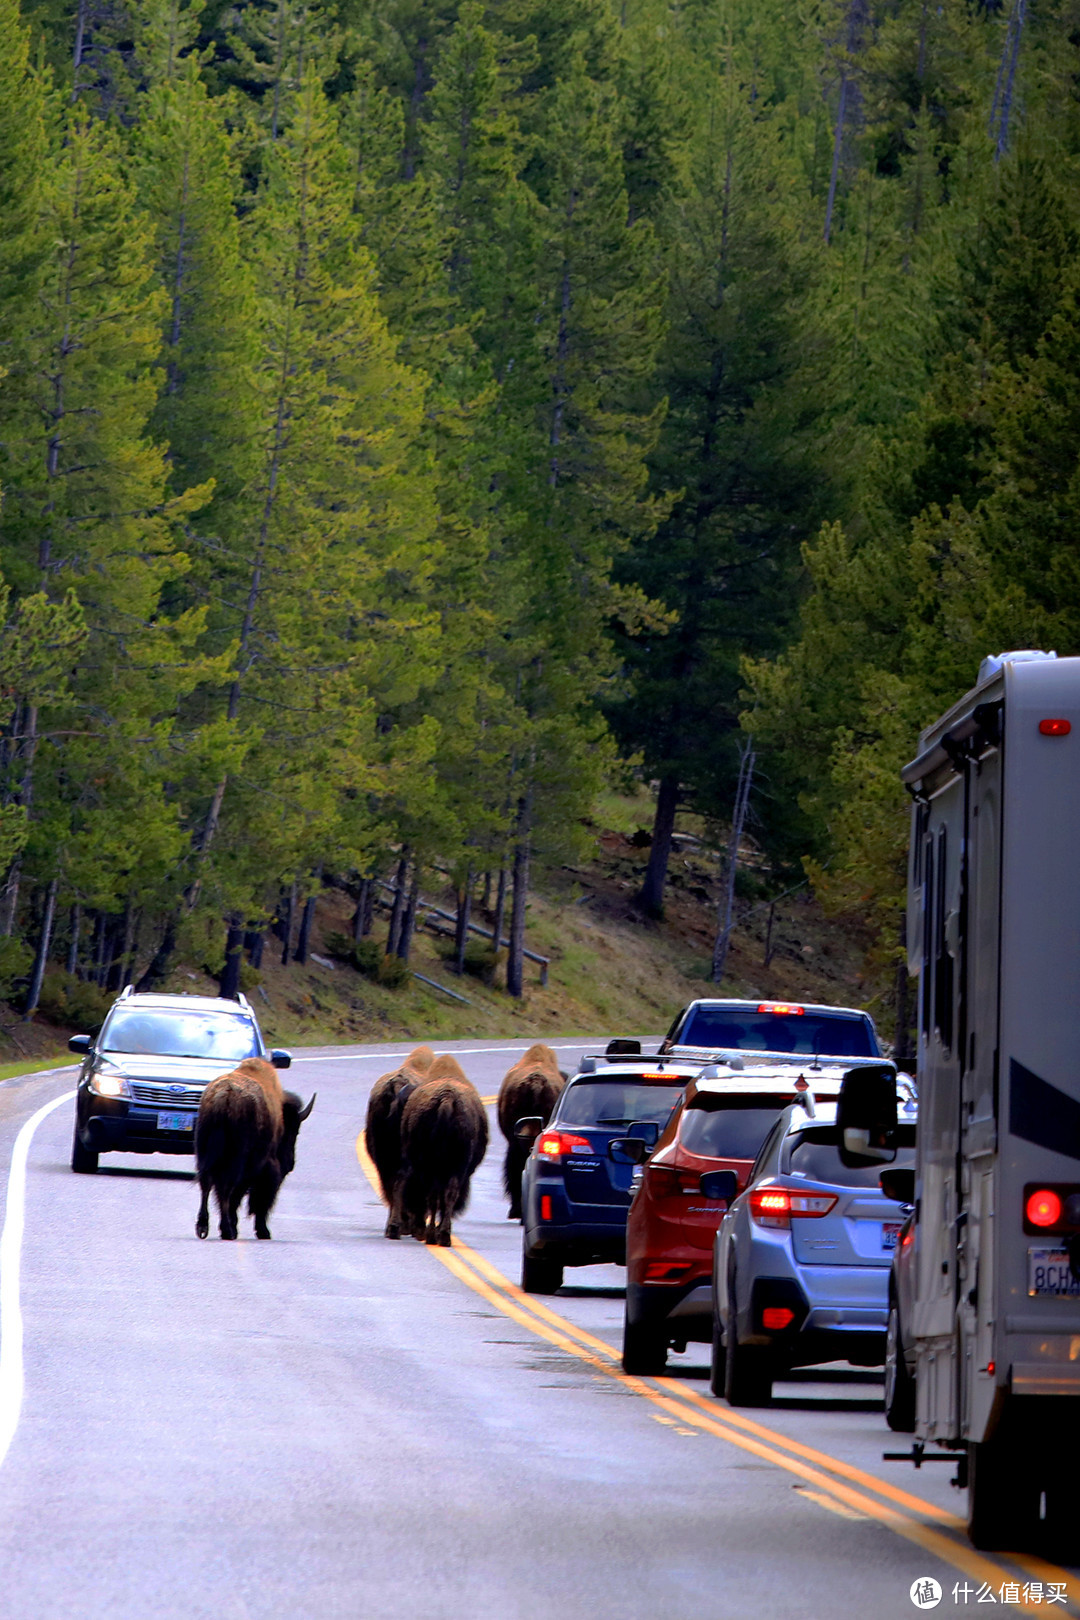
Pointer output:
x,y
841,1312
685,1307
573,1234
134,1132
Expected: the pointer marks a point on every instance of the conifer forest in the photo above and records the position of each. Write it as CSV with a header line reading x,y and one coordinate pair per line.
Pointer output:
x,y
415,414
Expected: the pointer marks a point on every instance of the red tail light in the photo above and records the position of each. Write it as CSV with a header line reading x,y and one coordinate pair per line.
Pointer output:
x,y
774,1206
545,1207
664,1271
1043,1208
553,1145
778,1007
777,1317
1055,728
665,1182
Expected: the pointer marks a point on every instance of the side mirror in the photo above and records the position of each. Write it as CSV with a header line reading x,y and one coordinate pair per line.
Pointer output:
x,y
720,1184
621,1048
527,1130
647,1130
628,1150
866,1116
80,1044
899,1185
280,1059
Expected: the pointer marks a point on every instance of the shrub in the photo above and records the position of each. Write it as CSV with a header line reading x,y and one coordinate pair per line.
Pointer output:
x,y
393,972
482,960
250,977
15,962
343,949
72,1002
367,955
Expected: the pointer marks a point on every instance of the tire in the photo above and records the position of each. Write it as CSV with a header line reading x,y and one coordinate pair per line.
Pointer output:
x,y
540,1276
83,1160
645,1349
718,1367
748,1372
899,1384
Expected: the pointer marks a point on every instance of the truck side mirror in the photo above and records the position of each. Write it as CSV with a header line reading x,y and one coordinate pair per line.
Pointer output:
x,y
628,1150
899,1185
527,1130
866,1116
720,1184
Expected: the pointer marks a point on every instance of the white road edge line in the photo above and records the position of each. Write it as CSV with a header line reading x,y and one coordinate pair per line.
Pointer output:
x,y
11,1323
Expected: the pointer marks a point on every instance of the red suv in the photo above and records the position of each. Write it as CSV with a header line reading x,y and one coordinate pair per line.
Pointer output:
x,y
719,1125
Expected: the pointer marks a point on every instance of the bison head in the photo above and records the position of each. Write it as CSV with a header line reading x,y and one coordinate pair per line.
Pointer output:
x,y
293,1114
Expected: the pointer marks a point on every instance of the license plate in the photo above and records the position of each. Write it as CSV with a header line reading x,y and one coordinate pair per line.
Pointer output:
x,y
1049,1273
890,1233
176,1122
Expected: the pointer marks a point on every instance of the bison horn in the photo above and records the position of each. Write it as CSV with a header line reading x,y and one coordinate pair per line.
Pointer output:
x,y
304,1112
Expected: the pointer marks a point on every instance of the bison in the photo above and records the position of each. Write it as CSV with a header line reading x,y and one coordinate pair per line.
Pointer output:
x,y
530,1089
245,1142
444,1134
382,1129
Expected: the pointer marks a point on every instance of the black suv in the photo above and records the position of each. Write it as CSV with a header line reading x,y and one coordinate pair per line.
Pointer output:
x,y
143,1075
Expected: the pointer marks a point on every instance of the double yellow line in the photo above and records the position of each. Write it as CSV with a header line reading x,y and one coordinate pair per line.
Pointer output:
x,y
835,1484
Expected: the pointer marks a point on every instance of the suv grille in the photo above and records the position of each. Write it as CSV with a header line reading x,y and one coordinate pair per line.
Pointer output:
x,y
161,1094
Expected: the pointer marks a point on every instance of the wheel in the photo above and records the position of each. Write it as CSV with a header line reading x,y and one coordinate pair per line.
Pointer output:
x,y
540,1276
83,1161
718,1368
644,1349
748,1372
899,1384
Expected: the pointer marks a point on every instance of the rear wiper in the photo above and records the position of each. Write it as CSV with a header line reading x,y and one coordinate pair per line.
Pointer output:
x,y
614,1122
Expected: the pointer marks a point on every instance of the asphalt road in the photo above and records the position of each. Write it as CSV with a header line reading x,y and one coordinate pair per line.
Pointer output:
x,y
330,1425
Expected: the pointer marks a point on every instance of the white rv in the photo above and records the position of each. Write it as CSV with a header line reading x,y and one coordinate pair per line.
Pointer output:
x,y
994,935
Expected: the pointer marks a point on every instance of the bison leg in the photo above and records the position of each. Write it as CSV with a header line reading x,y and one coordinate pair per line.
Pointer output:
x,y
229,1206
264,1190
448,1205
396,1216
516,1154
202,1220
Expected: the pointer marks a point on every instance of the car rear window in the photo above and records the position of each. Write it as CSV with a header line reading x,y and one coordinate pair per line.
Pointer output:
x,y
802,1033
617,1102
728,1127
140,1032
816,1155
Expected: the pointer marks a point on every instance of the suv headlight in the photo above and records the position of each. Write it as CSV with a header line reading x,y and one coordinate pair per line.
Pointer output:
x,y
109,1081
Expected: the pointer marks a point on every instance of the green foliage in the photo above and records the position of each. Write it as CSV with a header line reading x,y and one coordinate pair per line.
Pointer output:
x,y
73,1003
392,972
16,959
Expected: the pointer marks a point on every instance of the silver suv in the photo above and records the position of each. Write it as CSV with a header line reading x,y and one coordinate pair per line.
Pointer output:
x,y
145,1072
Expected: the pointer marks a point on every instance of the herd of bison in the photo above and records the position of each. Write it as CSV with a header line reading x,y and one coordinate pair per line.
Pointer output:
x,y
426,1132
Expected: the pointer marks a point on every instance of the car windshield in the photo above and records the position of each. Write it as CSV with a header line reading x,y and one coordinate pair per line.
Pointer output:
x,y
816,1155
141,1032
617,1103
802,1033
728,1127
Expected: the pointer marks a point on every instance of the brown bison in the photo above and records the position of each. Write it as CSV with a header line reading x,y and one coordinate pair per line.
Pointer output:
x,y
382,1129
530,1090
444,1134
245,1142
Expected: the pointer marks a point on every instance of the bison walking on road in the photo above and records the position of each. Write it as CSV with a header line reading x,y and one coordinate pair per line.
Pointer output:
x,y
529,1090
245,1143
444,1134
382,1129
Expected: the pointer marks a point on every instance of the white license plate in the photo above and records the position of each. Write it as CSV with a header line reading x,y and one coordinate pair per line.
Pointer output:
x,y
175,1122
1049,1272
890,1233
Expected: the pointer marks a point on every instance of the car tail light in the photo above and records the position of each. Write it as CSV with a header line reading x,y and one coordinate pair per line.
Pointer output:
x,y
666,1182
545,1207
664,1271
779,1007
777,1317
554,1145
774,1206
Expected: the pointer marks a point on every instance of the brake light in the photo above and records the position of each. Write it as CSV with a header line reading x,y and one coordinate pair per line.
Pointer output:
x,y
545,1207
779,1007
554,1145
1055,728
1043,1208
777,1317
774,1206
666,1182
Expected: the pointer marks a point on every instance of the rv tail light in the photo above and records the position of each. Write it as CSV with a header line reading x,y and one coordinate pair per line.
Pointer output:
x,y
778,1007
991,1366
1055,728
1043,1208
777,1317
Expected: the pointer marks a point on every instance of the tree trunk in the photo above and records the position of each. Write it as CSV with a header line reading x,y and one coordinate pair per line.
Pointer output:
x,y
365,906
253,944
33,995
727,902
9,898
500,906
287,925
408,922
73,939
105,949
486,902
651,895
304,939
768,933
461,930
515,961
158,969
229,982
115,978
394,936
